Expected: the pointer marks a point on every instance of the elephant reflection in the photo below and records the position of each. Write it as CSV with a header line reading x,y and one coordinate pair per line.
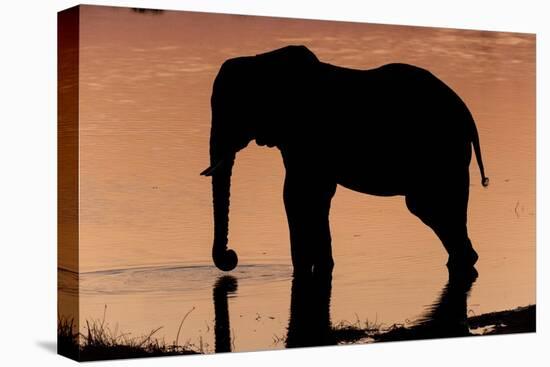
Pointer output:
x,y
393,130
447,317
310,324
223,287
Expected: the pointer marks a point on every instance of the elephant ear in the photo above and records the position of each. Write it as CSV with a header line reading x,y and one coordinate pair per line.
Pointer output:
x,y
284,80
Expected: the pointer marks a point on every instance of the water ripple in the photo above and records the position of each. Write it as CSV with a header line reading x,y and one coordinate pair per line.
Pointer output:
x,y
165,280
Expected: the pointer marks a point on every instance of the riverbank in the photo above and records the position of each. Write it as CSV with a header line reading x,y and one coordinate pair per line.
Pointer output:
x,y
100,343
518,320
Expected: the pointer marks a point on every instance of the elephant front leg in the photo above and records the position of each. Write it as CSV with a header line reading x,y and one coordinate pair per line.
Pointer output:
x,y
307,204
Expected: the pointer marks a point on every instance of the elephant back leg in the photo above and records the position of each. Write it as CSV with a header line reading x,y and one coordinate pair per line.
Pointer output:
x,y
444,210
307,199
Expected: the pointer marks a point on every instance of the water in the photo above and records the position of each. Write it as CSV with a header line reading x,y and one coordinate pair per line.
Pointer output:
x,y
146,221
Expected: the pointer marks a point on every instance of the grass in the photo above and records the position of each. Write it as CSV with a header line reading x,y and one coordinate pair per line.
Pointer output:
x,y
346,332
518,320
67,339
99,342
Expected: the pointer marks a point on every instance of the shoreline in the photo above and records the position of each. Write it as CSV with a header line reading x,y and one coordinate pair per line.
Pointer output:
x,y
100,344
518,320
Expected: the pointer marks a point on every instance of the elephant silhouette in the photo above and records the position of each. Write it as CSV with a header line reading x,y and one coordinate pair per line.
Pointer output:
x,y
393,130
224,286
447,317
309,323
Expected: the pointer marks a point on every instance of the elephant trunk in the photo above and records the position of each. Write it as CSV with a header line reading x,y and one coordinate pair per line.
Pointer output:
x,y
220,170
228,135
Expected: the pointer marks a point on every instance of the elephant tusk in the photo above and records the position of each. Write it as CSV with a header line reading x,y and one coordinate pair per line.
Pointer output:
x,y
210,170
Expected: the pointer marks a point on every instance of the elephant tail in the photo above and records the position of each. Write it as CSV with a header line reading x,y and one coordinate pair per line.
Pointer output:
x,y
477,150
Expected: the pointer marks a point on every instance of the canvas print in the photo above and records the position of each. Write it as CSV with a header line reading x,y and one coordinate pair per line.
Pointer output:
x,y
235,183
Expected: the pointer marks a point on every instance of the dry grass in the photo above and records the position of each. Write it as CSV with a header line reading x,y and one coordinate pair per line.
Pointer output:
x,y
100,342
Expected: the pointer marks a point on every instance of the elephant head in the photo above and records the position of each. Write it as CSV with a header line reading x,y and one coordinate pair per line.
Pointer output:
x,y
253,98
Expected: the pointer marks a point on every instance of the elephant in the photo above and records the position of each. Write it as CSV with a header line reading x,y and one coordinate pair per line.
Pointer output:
x,y
447,317
225,286
310,323
393,130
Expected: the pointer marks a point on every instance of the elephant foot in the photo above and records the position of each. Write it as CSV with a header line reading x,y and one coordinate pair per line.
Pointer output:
x,y
462,260
463,277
